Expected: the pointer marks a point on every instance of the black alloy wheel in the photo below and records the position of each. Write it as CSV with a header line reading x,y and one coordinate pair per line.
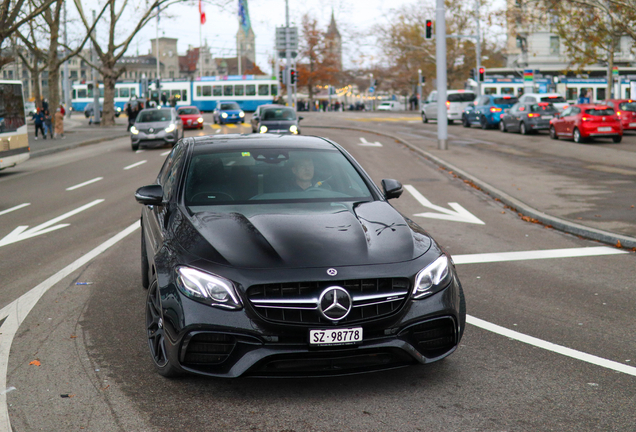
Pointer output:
x,y
465,122
135,147
617,139
553,133
155,331
523,129
424,118
502,126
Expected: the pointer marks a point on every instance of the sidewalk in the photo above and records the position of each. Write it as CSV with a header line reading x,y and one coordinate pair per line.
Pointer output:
x,y
77,133
586,190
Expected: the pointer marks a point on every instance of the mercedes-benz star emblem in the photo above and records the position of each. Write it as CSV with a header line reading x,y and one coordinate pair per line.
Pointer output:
x,y
334,303
332,272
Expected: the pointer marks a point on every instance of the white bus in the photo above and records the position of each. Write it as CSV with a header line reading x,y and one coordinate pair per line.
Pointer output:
x,y
14,141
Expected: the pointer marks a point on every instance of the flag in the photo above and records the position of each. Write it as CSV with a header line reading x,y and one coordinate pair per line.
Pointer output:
x,y
201,12
244,16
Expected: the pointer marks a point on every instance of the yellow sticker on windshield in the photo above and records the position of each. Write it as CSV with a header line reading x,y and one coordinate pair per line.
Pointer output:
x,y
245,154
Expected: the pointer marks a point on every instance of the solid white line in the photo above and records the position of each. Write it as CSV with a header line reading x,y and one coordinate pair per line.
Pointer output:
x,y
166,153
135,164
536,254
77,186
18,207
549,346
17,311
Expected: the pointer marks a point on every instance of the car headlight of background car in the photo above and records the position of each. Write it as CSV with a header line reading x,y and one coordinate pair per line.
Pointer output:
x,y
432,279
170,128
241,114
293,129
134,130
207,288
224,115
263,129
200,119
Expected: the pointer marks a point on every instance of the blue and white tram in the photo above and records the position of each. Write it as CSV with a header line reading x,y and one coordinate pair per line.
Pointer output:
x,y
124,91
248,91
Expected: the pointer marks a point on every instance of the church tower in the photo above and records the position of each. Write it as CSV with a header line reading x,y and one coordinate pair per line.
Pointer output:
x,y
334,42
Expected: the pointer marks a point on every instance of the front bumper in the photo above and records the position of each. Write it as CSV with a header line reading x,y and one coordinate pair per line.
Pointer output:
x,y
192,124
161,137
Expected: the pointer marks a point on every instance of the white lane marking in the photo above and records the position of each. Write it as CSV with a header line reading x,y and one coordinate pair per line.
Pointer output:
x,y
218,130
18,207
549,346
22,233
166,153
86,183
365,143
17,311
536,254
140,151
135,164
459,214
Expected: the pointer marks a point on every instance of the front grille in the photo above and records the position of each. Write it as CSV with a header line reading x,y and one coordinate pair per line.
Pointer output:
x,y
433,338
207,349
297,302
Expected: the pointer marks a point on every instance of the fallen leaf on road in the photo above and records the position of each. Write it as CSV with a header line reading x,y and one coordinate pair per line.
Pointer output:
x,y
66,395
106,387
618,244
35,363
73,336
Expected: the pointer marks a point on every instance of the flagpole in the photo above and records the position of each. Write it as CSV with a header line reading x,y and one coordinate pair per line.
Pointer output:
x,y
200,48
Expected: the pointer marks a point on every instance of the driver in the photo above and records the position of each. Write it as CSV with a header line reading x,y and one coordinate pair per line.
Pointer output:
x,y
303,170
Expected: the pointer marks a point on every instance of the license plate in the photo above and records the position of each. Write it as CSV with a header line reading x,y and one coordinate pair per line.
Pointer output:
x,y
605,129
632,125
151,136
335,336
547,117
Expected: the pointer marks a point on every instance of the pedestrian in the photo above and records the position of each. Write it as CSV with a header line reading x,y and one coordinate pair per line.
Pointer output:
x,y
45,105
59,122
129,114
62,110
164,98
48,126
38,120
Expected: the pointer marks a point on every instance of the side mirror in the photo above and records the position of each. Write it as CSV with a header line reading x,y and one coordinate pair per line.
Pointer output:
x,y
507,110
149,195
300,118
392,188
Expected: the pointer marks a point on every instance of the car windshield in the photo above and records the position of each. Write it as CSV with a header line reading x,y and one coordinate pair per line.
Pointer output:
x,y
627,106
600,111
553,99
279,114
185,111
230,106
542,107
505,101
155,115
256,176
461,97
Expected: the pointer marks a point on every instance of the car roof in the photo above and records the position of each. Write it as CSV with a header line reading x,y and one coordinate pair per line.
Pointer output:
x,y
189,106
459,91
273,106
590,105
229,142
542,94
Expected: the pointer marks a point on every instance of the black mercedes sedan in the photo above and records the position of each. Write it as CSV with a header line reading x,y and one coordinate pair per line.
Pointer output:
x,y
277,119
272,255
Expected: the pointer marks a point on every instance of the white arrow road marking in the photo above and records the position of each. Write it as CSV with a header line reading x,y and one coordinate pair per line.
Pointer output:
x,y
166,153
459,214
86,183
135,164
369,144
16,311
22,233
536,254
18,207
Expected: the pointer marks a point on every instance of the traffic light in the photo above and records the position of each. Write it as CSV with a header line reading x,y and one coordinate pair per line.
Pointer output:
x,y
429,30
292,76
423,79
158,83
482,72
472,74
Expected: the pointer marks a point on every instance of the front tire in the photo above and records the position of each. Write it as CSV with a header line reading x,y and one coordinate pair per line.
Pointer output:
x,y
424,118
553,133
617,139
156,335
523,129
502,126
483,122
465,122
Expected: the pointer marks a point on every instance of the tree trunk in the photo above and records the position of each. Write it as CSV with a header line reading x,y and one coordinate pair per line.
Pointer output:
x,y
108,117
53,65
37,92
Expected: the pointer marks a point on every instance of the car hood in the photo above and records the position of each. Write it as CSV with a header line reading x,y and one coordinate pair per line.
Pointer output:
x,y
155,125
189,116
318,235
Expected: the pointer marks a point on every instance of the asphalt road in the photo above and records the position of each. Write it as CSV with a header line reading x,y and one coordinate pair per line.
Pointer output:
x,y
79,360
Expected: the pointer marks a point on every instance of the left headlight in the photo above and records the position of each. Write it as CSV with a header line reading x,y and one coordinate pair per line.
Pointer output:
x,y
263,129
432,279
224,115
293,129
134,130
170,128
208,288
241,114
118,109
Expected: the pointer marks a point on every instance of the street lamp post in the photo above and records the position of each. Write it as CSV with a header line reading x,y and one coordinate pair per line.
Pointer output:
x,y
442,115
419,89
372,87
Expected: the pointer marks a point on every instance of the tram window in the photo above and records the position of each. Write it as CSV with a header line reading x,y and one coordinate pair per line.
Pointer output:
x,y
218,91
101,92
207,90
274,90
263,90
176,93
239,90
507,91
228,90
184,95
117,92
133,92
74,94
123,92
250,90
490,90
600,94
81,94
572,93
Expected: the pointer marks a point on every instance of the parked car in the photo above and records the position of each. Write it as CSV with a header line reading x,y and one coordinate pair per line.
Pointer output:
x,y
190,117
88,110
527,117
228,112
275,119
487,110
625,110
583,121
29,109
156,127
456,102
268,255
389,106
555,99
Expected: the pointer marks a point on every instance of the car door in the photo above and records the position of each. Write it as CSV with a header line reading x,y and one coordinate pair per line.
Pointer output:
x,y
569,121
559,123
430,109
254,119
511,118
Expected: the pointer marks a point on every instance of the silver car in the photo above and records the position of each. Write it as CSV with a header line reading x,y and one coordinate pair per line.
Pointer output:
x,y
156,127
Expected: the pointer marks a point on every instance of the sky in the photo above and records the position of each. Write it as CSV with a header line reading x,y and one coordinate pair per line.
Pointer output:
x,y
355,20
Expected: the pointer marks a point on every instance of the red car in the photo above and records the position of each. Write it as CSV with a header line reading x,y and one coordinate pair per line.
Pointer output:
x,y
191,117
584,121
626,110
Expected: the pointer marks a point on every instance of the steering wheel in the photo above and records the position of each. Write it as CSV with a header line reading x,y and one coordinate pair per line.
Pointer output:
x,y
315,189
221,196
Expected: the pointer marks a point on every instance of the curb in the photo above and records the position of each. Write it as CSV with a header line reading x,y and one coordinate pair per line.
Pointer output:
x,y
531,214
49,151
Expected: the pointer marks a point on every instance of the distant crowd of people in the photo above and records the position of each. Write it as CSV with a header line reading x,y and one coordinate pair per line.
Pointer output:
x,y
43,121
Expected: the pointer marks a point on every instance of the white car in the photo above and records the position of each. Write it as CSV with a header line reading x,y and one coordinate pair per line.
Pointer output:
x,y
456,102
555,99
389,106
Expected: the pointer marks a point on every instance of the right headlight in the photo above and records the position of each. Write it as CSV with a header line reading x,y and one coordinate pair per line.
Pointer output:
x,y
207,288
134,130
432,279
263,129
